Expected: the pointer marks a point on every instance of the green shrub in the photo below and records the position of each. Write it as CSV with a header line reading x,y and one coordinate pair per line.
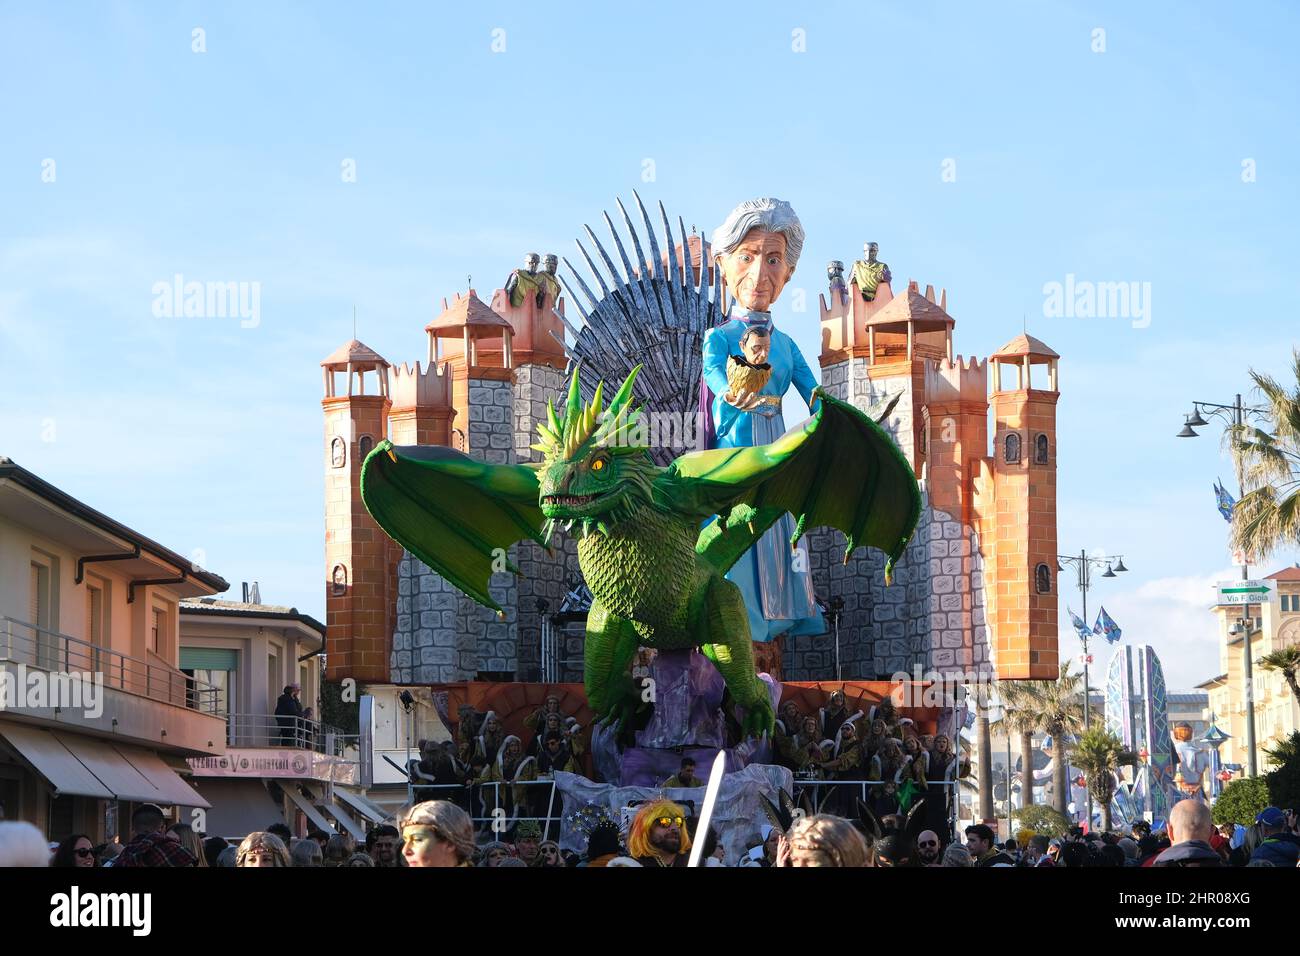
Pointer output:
x,y
1044,821
1241,800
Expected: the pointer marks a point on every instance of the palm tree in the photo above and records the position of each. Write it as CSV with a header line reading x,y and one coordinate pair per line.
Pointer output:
x,y
1268,462
1053,707
1100,754
1286,662
1019,720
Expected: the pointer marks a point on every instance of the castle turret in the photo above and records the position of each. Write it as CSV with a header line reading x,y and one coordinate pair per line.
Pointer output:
x,y
1023,572
358,604
481,379
422,411
874,350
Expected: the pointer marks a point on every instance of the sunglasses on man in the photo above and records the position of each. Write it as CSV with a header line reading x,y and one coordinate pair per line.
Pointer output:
x,y
670,821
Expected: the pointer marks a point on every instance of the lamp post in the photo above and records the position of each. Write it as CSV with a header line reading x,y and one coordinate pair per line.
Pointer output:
x,y
1083,563
1234,416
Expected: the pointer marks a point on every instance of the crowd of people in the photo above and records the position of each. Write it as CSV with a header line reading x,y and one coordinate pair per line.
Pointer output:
x,y
440,833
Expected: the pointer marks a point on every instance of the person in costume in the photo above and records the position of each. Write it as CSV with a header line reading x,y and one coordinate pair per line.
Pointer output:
x,y
437,833
790,718
844,765
658,835
684,777
835,715
757,249
941,769
886,768
511,771
825,840
914,783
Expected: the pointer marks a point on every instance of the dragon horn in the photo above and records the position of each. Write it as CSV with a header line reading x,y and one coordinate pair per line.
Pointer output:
x,y
573,406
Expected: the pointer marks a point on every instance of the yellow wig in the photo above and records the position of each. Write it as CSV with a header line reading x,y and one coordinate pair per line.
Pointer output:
x,y
638,839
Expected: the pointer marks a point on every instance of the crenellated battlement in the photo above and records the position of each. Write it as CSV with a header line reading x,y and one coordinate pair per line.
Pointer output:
x,y
421,387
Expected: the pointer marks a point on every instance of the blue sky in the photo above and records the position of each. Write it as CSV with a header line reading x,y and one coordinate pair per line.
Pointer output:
x,y
226,166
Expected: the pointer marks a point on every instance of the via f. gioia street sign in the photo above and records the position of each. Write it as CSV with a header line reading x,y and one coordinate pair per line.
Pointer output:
x,y
1243,592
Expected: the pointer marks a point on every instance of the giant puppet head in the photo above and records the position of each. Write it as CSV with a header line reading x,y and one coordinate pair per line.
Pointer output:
x,y
757,248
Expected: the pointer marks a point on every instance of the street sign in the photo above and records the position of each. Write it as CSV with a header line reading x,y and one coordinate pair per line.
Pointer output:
x,y
1243,592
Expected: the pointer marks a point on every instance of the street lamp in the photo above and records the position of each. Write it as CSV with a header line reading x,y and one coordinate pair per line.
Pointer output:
x,y
1083,565
1234,417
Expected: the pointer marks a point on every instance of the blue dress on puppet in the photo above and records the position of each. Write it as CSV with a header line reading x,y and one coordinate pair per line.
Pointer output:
x,y
779,598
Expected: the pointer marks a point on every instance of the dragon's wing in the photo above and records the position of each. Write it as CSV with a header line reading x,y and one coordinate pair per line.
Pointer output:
x,y
839,468
454,513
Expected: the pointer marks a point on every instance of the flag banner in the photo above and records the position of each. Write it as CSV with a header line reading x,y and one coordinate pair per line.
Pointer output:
x,y
1107,627
1224,500
1079,626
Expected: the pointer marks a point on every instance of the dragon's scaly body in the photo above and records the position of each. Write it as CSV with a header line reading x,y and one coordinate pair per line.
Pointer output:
x,y
657,578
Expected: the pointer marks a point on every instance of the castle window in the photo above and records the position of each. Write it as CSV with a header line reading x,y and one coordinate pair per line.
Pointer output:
x,y
364,445
1043,579
1012,455
1040,450
338,452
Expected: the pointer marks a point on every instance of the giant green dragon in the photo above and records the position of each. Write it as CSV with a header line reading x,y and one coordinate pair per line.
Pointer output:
x,y
654,543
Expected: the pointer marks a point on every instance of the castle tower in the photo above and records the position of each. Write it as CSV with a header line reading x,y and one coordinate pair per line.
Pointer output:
x,y
955,432
1022,570
481,392
874,350
358,605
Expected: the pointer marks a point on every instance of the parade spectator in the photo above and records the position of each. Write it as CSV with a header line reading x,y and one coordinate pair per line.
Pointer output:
x,y
185,835
1279,845
76,850
1073,854
21,844
1189,828
381,845
338,849
980,842
823,840
306,853
956,855
281,831
549,855
262,849
360,859
765,853
492,854
212,849
148,845
228,857
288,712
927,848
1130,850
528,836
1037,854
437,833
658,835
603,844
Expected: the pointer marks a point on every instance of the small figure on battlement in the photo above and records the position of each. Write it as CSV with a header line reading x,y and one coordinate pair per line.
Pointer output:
x,y
835,275
869,273
529,281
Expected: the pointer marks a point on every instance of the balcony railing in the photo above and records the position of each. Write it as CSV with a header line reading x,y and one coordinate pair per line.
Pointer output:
x,y
46,650
296,733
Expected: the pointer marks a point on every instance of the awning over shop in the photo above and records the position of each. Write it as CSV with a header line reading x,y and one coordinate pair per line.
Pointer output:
x,y
362,805
53,761
238,807
88,767
303,804
170,784
113,770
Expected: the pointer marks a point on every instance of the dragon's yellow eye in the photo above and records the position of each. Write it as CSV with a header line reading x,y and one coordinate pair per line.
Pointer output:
x,y
598,464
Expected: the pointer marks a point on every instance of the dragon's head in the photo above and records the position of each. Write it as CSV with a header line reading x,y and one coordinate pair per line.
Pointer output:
x,y
596,469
